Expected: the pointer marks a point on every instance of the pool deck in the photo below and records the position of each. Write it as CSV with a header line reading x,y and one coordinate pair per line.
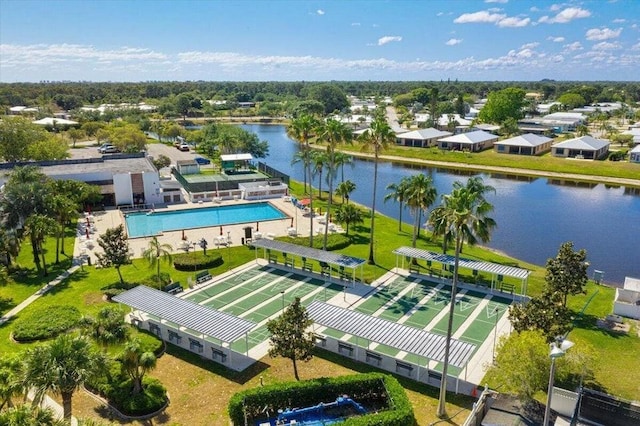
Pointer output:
x,y
101,221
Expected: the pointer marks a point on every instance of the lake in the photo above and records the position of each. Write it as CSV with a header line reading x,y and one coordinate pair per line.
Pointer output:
x,y
534,215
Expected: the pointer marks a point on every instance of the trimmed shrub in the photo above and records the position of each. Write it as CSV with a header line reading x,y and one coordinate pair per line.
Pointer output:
x,y
117,288
196,261
379,393
45,322
334,241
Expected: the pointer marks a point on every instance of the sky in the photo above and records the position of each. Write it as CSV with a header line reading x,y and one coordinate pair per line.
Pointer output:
x,y
295,40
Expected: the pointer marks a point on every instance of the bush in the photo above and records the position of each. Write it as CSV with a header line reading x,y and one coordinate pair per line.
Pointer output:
x,y
617,155
117,288
45,322
196,261
334,241
381,394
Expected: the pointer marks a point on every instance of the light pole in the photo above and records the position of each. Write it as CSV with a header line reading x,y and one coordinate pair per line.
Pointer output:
x,y
558,349
282,293
496,312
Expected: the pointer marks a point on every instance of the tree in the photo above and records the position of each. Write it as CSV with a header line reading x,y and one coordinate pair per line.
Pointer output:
x,y
571,100
349,214
51,148
503,104
37,228
567,272
61,366
319,160
420,194
9,245
26,192
91,127
183,105
156,252
330,95
543,313
17,135
161,162
345,189
108,327
115,248
10,382
27,415
127,138
332,132
302,129
465,211
136,362
343,159
75,134
398,194
377,138
289,338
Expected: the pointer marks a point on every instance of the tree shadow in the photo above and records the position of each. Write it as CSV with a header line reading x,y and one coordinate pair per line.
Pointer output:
x,y
593,323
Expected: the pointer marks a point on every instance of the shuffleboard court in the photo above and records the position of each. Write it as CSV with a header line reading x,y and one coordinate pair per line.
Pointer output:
x,y
224,285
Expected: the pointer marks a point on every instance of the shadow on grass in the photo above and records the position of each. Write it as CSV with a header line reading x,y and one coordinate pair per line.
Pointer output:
x,y
421,388
6,304
590,322
240,377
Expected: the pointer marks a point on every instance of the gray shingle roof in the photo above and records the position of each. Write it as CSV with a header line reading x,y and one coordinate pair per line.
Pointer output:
x,y
470,137
528,139
584,143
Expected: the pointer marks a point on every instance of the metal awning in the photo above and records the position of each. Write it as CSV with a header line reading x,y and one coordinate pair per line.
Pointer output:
x,y
399,336
493,268
210,322
236,157
310,253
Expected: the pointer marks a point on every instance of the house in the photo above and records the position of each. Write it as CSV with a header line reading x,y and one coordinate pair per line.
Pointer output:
x,y
422,138
584,147
470,141
635,132
634,154
527,144
188,167
563,121
53,122
454,122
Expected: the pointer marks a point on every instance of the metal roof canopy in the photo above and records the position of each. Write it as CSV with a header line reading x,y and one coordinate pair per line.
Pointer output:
x,y
236,157
210,322
493,268
310,253
399,336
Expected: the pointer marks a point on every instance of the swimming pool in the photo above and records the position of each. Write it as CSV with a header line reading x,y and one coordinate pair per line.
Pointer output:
x,y
153,223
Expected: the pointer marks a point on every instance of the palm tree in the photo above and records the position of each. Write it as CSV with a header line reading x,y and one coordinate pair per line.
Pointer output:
x,y
10,383
332,132
376,138
302,129
398,193
465,214
64,209
61,366
349,214
420,195
156,252
345,188
136,363
9,245
108,326
343,159
319,160
38,227
27,415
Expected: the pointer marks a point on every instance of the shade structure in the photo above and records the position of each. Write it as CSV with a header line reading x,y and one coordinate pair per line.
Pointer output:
x,y
305,201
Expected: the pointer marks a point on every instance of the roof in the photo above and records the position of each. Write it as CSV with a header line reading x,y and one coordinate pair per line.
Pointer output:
x,y
584,143
470,137
424,134
528,139
444,119
186,163
50,121
494,268
309,252
236,157
210,322
399,336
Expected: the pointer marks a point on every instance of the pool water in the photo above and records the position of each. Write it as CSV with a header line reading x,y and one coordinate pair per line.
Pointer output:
x,y
145,224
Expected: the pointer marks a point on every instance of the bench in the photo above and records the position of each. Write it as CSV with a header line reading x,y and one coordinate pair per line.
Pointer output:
x,y
273,258
414,269
507,288
325,269
203,276
307,266
173,288
289,262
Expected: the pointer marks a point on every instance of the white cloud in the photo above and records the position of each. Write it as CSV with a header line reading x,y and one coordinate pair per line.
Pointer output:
x,y
619,21
555,7
534,9
605,45
439,13
555,39
530,45
573,46
453,41
388,39
602,34
355,24
479,17
320,12
567,15
496,1
514,22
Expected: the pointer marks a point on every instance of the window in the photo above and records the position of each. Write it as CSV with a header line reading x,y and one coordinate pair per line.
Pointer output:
x,y
174,337
373,358
404,368
155,329
345,349
218,355
195,346
321,340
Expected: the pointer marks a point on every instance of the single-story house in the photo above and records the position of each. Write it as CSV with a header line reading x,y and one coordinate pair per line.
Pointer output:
x,y
635,132
188,167
634,154
627,301
527,144
52,122
471,141
584,147
422,138
563,121
453,121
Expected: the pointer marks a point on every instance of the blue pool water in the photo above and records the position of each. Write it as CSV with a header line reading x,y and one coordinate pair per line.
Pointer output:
x,y
147,224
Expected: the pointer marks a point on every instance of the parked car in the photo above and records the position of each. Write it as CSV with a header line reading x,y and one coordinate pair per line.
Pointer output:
x,y
107,148
202,160
183,147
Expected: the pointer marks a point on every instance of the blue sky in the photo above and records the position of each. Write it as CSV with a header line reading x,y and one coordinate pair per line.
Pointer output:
x,y
145,40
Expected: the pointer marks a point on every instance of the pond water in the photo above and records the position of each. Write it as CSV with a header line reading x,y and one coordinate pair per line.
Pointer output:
x,y
534,215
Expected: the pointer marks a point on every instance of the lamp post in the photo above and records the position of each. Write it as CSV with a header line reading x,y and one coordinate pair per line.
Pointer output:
x,y
558,349
282,293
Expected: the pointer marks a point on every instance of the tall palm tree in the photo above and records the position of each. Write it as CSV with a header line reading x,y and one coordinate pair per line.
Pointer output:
x,y
64,210
155,252
10,383
136,363
343,159
349,214
376,138
398,193
465,211
9,245
37,228
420,195
302,129
332,132
345,189
61,366
319,161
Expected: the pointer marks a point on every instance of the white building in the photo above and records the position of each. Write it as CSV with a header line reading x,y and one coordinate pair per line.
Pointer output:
x,y
422,138
470,141
584,147
627,301
634,154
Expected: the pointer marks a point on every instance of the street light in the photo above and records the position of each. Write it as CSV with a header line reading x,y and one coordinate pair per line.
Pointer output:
x,y
282,293
558,349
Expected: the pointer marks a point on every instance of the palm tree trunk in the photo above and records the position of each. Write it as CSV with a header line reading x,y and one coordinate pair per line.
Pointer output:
x,y
36,254
373,208
415,231
57,249
310,208
66,405
62,239
400,221
447,347
44,262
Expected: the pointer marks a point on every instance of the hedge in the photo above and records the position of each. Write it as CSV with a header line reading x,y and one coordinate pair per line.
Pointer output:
x,y
392,407
196,261
334,241
45,322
